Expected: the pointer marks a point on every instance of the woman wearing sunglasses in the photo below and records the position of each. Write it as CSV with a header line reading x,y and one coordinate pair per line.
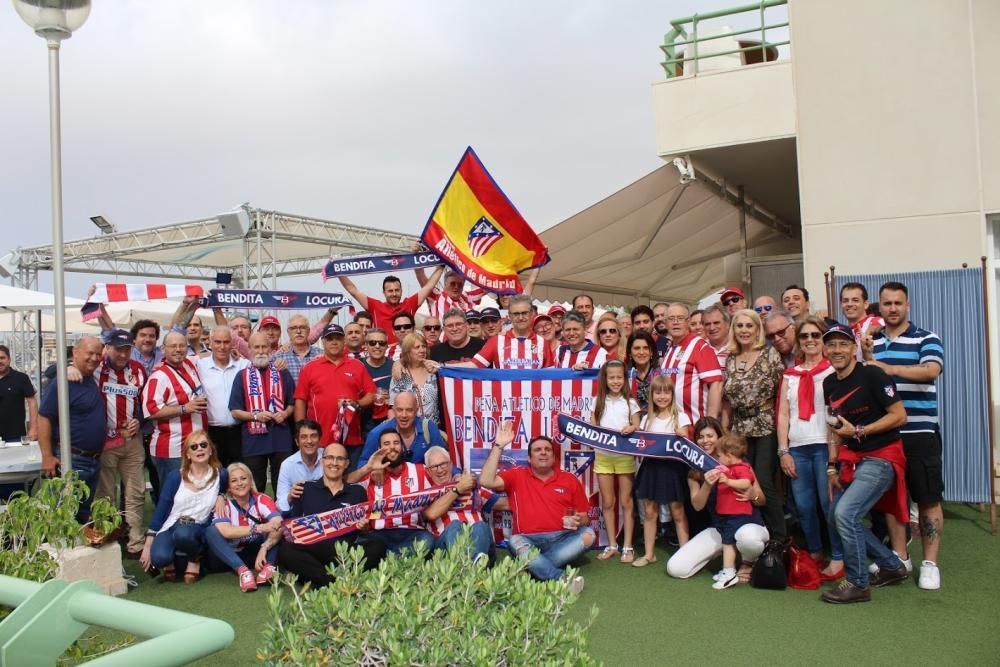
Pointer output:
x,y
176,535
609,336
416,377
804,442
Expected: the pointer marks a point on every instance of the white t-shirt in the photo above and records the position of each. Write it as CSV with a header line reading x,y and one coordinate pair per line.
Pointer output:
x,y
617,412
657,425
810,432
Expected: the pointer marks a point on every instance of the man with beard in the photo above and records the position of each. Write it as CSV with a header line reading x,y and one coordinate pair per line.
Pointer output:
x,y
660,318
868,413
331,492
382,312
716,319
262,401
175,399
217,374
417,434
458,345
16,393
549,505
462,506
301,467
87,424
914,359
395,475
779,329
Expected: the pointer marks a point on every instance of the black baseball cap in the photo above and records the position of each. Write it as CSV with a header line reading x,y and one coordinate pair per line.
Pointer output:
x,y
839,330
332,330
489,312
120,338
472,315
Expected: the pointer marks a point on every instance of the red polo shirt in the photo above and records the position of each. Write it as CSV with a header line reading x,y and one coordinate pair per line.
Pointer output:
x,y
382,313
322,384
539,506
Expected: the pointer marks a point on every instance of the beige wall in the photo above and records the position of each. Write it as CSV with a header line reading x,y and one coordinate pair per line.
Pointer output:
x,y
888,130
986,23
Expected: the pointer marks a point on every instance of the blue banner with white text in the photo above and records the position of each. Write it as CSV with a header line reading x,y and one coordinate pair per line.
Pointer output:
x,y
356,266
267,299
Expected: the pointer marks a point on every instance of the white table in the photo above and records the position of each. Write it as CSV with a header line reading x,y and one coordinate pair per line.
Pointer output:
x,y
20,464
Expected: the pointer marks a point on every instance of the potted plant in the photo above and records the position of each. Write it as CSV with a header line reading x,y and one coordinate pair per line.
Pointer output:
x,y
105,520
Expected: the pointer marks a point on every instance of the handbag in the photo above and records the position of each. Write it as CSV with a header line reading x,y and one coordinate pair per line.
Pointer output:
x,y
803,572
770,570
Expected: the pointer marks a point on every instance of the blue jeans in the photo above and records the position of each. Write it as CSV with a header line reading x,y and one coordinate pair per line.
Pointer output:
x,y
872,478
224,550
479,534
398,539
179,542
165,466
89,471
555,548
812,499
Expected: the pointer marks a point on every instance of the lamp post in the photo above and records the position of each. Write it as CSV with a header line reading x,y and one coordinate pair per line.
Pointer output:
x,y
54,21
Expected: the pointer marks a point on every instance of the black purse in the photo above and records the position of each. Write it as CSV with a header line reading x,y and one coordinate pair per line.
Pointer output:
x,y
771,569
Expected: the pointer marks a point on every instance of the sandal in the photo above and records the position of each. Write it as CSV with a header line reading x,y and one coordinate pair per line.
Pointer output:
x,y
628,554
643,561
169,574
609,552
191,577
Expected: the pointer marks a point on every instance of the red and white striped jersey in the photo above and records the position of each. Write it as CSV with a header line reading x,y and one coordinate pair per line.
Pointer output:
x,y
693,366
861,329
468,512
510,352
409,478
172,386
593,355
439,302
721,353
122,393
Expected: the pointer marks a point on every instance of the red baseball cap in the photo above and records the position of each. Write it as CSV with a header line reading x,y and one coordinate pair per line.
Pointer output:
x,y
540,316
268,321
731,291
556,308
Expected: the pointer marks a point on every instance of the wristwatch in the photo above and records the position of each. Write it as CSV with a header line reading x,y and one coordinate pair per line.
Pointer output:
x,y
782,452
497,445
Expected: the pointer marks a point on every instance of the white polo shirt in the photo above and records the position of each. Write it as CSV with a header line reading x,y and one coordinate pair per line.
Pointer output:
x,y
218,385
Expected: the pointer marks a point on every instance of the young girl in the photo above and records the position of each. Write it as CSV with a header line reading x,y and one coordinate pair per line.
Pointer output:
x,y
734,475
662,482
615,409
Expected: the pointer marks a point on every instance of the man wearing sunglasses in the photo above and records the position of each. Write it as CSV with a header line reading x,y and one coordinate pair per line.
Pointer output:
x,y
432,330
452,295
779,329
403,324
382,312
378,367
733,299
458,345
764,305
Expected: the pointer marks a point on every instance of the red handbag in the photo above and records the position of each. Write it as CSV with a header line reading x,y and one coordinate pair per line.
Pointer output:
x,y
803,572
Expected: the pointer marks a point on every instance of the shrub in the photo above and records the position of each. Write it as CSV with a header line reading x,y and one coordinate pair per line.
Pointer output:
x,y
417,611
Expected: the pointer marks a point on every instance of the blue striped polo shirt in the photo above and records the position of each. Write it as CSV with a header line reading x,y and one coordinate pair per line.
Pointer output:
x,y
913,346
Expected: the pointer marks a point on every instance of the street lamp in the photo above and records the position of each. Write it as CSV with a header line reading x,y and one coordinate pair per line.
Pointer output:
x,y
54,21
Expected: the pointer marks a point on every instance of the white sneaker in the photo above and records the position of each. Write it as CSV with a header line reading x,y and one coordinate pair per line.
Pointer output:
x,y
726,578
908,563
575,585
930,576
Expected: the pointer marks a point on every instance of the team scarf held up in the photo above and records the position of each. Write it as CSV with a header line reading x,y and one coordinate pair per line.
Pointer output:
x,y
255,298
117,292
638,443
259,400
342,422
315,528
360,265
478,232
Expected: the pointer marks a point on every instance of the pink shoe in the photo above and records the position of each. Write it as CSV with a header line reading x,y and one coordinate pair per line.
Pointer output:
x,y
247,583
265,574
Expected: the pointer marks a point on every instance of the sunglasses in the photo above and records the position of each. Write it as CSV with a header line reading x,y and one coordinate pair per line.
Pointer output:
x,y
607,331
203,444
431,327
806,335
730,301
766,308
376,343
781,332
402,327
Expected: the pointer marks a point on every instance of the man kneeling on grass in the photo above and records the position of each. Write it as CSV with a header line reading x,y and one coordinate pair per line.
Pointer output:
x,y
549,506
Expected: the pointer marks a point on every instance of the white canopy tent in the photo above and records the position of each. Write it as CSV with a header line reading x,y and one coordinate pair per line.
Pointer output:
x,y
16,299
661,238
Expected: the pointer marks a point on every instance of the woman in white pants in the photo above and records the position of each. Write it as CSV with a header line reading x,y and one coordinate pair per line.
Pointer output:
x,y
707,545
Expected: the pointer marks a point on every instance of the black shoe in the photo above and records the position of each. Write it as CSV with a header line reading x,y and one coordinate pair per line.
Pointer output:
x,y
886,577
846,593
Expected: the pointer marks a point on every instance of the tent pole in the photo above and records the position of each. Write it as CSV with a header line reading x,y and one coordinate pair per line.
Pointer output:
x,y
826,288
989,400
830,312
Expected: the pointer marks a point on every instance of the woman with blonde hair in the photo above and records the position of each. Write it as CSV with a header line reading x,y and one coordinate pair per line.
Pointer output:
x,y
416,377
753,373
609,336
176,535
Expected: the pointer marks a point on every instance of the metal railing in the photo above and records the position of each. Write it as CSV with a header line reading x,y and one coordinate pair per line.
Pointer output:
x,y
50,616
684,32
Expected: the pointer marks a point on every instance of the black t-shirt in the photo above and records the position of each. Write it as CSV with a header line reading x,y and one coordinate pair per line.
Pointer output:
x,y
316,498
377,413
862,398
444,353
15,387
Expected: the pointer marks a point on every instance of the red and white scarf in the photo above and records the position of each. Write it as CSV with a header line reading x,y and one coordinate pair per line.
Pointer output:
x,y
262,397
111,292
342,422
807,387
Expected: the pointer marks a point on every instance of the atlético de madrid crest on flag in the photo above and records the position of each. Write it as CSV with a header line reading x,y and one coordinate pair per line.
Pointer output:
x,y
482,236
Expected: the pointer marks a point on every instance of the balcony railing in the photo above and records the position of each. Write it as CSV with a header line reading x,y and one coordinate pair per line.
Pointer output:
x,y
703,43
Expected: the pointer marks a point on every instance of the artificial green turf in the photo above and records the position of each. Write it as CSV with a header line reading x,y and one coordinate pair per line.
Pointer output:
x,y
647,618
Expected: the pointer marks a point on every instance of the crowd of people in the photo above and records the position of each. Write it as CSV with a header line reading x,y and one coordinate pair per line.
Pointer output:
x,y
810,418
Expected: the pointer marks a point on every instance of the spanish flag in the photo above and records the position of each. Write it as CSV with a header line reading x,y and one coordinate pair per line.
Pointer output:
x,y
477,231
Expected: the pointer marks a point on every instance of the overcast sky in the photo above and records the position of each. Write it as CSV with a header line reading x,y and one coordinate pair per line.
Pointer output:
x,y
348,111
